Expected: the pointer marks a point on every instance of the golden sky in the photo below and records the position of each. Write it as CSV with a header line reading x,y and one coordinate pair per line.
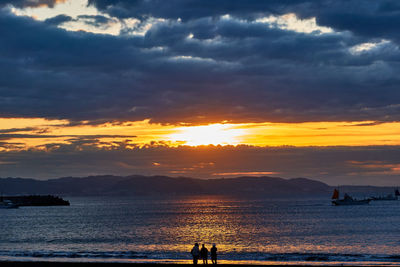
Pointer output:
x,y
38,132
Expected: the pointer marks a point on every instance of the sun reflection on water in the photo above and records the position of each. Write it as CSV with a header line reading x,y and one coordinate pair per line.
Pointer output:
x,y
239,226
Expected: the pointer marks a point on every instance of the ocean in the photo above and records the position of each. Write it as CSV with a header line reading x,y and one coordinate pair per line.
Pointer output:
x,y
259,231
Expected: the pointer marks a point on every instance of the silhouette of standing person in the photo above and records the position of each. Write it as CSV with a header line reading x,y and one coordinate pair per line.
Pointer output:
x,y
214,254
204,254
195,253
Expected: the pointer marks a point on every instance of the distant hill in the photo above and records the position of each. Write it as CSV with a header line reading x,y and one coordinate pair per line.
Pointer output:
x,y
137,185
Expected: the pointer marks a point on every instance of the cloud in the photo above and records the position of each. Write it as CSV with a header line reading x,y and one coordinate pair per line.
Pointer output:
x,y
15,130
96,20
239,61
193,9
57,20
376,165
4,136
31,3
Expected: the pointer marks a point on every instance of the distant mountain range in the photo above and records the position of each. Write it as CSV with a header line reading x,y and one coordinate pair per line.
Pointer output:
x,y
137,185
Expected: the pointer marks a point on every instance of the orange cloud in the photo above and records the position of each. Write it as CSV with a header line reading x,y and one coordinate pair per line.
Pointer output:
x,y
245,173
39,133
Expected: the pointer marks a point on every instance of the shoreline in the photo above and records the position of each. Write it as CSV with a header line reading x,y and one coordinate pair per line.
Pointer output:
x,y
105,263
121,264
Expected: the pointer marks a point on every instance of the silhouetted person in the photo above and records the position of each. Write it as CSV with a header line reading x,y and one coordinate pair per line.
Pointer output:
x,y
214,254
204,254
195,253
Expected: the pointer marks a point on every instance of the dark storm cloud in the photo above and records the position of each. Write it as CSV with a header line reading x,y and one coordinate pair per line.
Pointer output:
x,y
333,165
193,9
96,20
204,67
57,20
30,3
375,19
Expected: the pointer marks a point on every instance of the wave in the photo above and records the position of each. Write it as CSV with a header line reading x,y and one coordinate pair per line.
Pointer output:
x,y
271,257
74,254
312,257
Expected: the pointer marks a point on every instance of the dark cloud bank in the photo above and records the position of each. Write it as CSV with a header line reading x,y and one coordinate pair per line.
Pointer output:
x,y
231,69
333,165
30,3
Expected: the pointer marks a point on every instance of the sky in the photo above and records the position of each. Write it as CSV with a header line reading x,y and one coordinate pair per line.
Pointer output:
x,y
200,88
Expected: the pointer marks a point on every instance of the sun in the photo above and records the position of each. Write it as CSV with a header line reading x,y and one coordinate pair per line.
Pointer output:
x,y
214,134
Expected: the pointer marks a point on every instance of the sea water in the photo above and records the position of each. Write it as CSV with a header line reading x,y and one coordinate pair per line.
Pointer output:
x,y
245,230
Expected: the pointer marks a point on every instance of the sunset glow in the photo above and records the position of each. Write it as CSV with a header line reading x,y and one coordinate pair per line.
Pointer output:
x,y
214,134
38,133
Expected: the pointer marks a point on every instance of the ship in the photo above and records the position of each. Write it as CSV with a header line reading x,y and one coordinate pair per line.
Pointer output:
x,y
7,204
347,200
